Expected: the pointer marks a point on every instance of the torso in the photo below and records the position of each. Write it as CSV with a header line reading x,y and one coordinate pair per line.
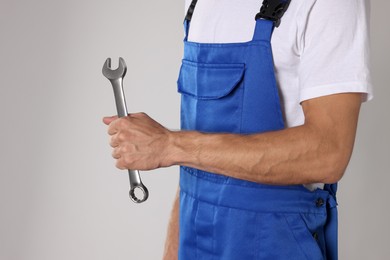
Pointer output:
x,y
234,22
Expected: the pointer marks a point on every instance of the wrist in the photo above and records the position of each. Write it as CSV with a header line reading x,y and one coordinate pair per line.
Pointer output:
x,y
183,147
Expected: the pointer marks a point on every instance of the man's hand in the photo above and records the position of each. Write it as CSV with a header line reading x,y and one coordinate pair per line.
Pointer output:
x,y
139,142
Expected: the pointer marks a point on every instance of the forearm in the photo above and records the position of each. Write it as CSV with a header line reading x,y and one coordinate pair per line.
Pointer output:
x,y
282,157
172,240
297,155
317,151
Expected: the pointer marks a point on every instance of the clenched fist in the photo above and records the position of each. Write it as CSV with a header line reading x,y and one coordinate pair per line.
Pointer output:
x,y
138,142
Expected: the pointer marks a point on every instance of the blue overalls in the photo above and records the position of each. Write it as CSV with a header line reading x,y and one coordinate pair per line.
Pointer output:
x,y
231,88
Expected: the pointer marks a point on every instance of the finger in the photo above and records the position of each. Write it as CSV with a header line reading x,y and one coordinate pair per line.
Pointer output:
x,y
112,130
120,164
117,125
116,154
113,141
138,115
108,119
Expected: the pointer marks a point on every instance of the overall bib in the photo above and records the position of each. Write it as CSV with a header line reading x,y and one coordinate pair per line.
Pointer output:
x,y
231,88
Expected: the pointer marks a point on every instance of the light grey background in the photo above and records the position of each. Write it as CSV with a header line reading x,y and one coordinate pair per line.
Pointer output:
x,y
60,194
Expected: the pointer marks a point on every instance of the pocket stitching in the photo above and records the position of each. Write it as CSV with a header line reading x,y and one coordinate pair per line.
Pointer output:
x,y
215,66
294,235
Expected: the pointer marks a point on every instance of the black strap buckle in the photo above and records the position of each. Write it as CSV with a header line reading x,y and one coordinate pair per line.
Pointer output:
x,y
273,10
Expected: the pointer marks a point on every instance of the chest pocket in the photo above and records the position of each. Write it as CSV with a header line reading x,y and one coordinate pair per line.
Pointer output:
x,y
212,96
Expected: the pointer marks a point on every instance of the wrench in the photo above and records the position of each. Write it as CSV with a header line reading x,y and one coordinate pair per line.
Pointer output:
x,y
116,79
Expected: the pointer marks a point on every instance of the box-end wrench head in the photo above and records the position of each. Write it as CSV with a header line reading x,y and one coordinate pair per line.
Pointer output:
x,y
116,78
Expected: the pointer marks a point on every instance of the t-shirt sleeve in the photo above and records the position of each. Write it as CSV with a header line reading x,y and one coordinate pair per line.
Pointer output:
x,y
335,50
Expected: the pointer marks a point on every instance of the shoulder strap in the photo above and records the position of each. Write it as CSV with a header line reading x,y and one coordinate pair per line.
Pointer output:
x,y
270,10
273,10
190,10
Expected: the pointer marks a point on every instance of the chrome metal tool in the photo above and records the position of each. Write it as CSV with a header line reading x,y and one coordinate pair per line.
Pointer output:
x,y
116,78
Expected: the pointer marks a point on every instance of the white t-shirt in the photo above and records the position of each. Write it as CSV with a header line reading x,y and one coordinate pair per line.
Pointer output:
x,y
320,48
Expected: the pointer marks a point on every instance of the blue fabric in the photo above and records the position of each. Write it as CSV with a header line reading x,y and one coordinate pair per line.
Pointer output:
x,y
231,88
331,229
226,218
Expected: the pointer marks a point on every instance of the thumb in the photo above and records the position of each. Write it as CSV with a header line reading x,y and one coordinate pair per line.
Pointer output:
x,y
108,119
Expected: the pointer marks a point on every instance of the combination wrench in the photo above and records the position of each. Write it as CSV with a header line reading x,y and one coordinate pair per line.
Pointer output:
x,y
116,79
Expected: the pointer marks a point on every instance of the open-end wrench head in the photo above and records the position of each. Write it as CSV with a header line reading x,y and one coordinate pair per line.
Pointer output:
x,y
118,73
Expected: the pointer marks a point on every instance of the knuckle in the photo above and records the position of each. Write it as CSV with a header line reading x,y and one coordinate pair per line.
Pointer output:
x,y
114,154
119,165
122,122
121,136
111,130
112,141
141,115
125,149
126,160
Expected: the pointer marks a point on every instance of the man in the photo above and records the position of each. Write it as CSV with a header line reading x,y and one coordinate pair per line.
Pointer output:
x,y
258,163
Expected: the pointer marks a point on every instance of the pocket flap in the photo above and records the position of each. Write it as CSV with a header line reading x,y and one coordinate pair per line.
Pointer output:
x,y
209,81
